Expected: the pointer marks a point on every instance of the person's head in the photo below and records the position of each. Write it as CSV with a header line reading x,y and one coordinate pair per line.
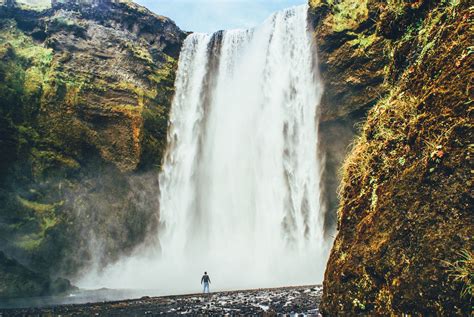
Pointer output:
x,y
205,273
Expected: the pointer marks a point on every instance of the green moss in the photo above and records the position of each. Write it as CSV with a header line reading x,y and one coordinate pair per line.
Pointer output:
x,y
38,5
68,24
30,242
452,5
48,223
155,113
428,36
363,41
46,159
139,92
36,207
374,197
28,134
315,3
33,80
63,21
140,52
347,15
165,74
396,6
25,67
358,304
43,217
127,108
37,54
24,47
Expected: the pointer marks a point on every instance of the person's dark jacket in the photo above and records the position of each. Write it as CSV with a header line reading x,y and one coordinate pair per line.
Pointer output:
x,y
206,279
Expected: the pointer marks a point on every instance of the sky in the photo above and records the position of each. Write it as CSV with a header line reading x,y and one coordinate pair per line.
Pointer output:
x,y
209,16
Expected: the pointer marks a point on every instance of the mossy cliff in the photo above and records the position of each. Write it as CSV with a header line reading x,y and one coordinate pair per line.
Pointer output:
x,y
85,94
405,218
352,63
18,281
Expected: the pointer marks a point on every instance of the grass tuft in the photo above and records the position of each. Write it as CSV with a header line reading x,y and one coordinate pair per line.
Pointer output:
x,y
462,271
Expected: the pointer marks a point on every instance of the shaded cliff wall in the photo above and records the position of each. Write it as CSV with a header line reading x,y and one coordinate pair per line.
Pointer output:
x,y
405,218
352,64
84,100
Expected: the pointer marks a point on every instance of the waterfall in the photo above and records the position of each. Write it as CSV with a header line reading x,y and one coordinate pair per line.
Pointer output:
x,y
240,185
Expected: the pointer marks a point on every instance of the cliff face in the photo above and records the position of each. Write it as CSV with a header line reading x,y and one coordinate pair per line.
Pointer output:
x,y
85,94
405,218
352,63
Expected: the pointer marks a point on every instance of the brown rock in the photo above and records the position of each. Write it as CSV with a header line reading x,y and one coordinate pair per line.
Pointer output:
x,y
405,218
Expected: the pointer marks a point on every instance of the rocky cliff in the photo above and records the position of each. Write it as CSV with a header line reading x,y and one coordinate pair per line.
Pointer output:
x,y
405,217
352,63
85,92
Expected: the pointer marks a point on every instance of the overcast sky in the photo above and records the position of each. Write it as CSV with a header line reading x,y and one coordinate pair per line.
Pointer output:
x,y
213,15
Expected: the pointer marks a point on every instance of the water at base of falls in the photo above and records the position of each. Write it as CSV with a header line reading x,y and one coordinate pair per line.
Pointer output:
x,y
240,185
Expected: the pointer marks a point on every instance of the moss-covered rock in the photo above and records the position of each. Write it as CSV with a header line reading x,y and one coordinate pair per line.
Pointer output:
x,y
85,93
352,63
18,281
351,55
405,219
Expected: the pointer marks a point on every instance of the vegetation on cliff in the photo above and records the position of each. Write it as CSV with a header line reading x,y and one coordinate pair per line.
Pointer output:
x,y
405,218
352,61
17,280
84,101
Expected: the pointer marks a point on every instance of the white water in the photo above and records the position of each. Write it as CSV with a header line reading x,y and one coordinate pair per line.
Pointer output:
x,y
239,190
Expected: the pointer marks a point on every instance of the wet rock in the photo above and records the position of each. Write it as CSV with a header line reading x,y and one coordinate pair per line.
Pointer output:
x,y
352,65
17,280
266,302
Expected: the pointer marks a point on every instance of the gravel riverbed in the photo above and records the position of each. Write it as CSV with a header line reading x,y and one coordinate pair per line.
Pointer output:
x,y
285,301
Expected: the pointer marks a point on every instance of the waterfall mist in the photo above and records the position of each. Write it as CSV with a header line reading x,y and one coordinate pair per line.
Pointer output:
x,y
240,185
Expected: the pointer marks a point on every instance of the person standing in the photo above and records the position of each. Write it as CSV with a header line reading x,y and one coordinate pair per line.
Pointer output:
x,y
205,280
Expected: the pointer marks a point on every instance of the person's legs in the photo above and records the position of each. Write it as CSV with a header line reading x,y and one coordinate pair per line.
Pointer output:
x,y
206,287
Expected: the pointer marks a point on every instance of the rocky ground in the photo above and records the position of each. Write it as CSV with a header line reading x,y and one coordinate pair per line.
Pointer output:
x,y
288,301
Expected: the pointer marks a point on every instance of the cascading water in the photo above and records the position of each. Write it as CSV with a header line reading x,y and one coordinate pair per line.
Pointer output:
x,y
239,190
